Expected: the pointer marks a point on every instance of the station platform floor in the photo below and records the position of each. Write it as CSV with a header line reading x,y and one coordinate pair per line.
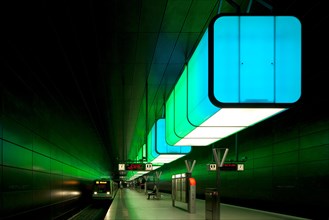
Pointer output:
x,y
132,204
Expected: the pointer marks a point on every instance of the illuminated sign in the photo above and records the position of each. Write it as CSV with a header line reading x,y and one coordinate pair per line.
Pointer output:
x,y
148,166
135,166
232,167
101,182
122,166
226,167
212,167
229,166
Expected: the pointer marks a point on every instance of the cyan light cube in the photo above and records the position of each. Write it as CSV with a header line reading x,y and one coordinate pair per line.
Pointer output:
x,y
159,151
244,70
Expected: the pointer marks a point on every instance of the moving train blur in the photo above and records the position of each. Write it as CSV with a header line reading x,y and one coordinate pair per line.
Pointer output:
x,y
83,84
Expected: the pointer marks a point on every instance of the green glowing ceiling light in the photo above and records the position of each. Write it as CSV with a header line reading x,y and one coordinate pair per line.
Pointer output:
x,y
141,153
244,70
158,150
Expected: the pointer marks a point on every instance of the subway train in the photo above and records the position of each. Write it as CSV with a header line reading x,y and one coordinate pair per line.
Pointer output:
x,y
104,189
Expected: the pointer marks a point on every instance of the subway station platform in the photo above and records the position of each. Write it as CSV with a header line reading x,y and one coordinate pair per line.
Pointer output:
x,y
132,204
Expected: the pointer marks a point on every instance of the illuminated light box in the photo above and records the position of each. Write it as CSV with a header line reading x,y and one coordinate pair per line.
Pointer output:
x,y
154,167
176,133
137,174
244,70
158,150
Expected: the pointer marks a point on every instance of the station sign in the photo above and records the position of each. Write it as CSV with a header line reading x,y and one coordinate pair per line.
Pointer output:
x,y
232,167
212,167
148,167
240,167
226,167
229,167
135,167
122,166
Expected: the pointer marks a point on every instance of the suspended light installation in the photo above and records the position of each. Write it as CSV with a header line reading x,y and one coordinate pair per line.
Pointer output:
x,y
244,70
137,174
159,151
142,157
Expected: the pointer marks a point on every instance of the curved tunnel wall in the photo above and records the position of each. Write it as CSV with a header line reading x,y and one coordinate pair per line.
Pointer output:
x,y
48,159
286,168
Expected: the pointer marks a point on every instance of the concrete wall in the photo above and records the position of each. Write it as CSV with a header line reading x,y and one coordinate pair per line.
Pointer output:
x,y
286,167
48,158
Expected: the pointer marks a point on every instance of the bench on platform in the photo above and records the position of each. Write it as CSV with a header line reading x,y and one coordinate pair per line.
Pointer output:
x,y
153,195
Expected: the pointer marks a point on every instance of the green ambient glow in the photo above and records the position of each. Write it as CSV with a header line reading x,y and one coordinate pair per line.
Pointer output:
x,y
140,154
244,70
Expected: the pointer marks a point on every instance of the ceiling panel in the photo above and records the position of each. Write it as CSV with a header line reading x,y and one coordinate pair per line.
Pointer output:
x,y
175,15
123,15
115,62
122,47
199,15
151,15
165,45
145,49
185,45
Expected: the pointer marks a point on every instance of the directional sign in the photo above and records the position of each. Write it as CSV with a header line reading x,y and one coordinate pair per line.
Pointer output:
x,y
122,166
226,167
148,166
212,167
135,166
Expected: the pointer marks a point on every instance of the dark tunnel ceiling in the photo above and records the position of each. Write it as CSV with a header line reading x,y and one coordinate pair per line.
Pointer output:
x,y
103,58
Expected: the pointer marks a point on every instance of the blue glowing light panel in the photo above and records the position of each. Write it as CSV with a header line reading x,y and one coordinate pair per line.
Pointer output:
x,y
157,144
257,59
161,146
241,63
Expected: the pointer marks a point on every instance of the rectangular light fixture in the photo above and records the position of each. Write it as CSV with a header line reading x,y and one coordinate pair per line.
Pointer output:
x,y
158,150
244,70
136,174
